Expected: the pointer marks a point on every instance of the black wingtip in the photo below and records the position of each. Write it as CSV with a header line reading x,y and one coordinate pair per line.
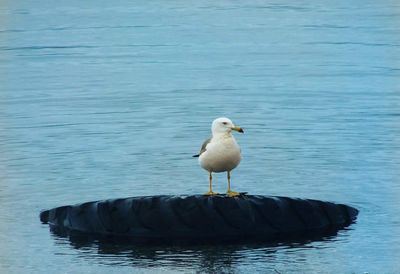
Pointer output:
x,y
195,156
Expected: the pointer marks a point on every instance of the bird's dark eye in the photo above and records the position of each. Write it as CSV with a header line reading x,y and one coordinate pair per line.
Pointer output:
x,y
224,123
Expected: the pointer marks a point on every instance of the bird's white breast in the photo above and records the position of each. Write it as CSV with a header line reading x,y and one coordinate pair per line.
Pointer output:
x,y
222,154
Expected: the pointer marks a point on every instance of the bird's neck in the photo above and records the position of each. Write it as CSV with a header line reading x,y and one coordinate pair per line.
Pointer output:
x,y
222,135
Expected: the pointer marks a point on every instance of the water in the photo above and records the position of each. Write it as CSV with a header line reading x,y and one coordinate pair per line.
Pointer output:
x,y
111,98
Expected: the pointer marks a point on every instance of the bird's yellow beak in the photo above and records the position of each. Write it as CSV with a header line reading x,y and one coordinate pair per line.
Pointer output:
x,y
238,129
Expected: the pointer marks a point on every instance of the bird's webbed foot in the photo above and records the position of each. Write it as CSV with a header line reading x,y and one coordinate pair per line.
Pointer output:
x,y
210,193
231,193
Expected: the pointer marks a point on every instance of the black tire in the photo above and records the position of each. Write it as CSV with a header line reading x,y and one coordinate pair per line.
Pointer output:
x,y
200,218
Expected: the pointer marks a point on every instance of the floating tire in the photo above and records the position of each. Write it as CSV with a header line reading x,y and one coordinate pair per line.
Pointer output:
x,y
198,218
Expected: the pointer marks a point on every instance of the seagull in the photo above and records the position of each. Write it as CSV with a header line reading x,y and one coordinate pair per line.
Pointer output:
x,y
220,153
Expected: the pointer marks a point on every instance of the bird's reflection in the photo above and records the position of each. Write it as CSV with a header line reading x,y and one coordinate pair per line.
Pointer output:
x,y
221,258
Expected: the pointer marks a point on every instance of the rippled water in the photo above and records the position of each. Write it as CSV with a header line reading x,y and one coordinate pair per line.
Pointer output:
x,y
111,98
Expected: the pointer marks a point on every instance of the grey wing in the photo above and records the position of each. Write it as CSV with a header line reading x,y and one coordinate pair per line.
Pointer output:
x,y
203,147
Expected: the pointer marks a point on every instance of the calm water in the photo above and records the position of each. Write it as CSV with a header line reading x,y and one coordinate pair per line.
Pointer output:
x,y
111,98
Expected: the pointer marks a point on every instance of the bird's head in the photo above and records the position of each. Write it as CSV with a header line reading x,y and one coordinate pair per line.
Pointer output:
x,y
224,125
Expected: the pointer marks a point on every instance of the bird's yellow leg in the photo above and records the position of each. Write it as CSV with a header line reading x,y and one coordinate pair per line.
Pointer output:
x,y
210,192
231,193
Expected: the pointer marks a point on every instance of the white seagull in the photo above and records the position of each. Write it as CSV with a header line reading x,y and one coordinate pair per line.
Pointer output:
x,y
220,153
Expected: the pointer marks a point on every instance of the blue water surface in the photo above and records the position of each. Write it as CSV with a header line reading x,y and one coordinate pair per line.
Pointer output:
x,y
106,99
